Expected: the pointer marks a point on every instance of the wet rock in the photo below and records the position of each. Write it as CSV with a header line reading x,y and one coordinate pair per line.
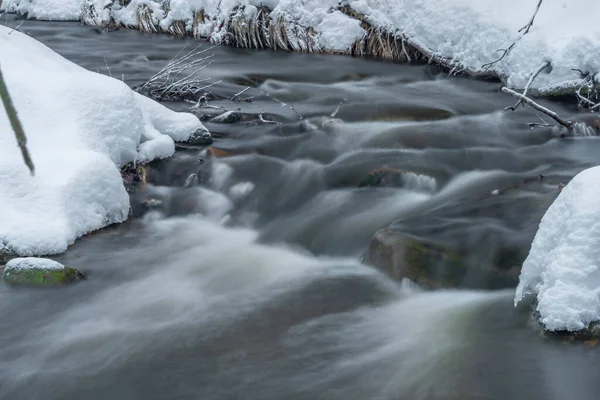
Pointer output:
x,y
383,177
427,264
392,177
200,138
40,272
435,265
6,256
176,171
228,117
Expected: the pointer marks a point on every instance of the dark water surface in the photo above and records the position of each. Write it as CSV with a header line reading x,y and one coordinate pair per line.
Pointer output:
x,y
259,292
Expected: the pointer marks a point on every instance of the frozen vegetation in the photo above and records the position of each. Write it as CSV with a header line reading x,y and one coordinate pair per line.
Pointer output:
x,y
81,127
462,35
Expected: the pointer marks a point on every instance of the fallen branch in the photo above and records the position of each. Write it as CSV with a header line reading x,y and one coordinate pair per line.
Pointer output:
x,y
540,108
15,123
529,82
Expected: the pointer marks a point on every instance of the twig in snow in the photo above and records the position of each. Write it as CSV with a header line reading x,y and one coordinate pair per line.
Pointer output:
x,y
529,102
522,32
530,23
529,82
16,124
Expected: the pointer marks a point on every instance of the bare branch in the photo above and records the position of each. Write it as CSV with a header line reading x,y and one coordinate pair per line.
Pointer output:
x,y
530,23
529,82
522,32
548,112
15,123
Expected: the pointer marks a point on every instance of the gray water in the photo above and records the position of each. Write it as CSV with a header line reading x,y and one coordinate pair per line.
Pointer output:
x,y
250,286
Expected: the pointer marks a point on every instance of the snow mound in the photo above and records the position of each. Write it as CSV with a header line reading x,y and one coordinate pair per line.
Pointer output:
x,y
17,264
563,266
54,10
81,126
461,34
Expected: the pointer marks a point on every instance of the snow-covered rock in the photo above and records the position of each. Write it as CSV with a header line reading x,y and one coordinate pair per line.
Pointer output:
x,y
31,271
563,266
81,126
462,34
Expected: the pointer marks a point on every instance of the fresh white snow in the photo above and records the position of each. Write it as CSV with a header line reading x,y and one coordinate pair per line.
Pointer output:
x,y
81,126
32,263
563,266
467,33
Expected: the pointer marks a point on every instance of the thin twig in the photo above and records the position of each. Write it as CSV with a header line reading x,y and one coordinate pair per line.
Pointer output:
x,y
16,28
107,68
530,23
16,124
333,114
238,94
525,28
548,112
531,78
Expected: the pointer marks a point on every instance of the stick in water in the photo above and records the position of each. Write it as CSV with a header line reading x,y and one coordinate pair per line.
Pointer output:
x,y
548,112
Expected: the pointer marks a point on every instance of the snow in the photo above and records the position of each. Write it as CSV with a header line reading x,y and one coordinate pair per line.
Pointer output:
x,y
563,266
81,126
17,264
464,33
55,10
468,33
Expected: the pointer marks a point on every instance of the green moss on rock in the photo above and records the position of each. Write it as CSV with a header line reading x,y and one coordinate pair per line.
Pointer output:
x,y
428,264
38,272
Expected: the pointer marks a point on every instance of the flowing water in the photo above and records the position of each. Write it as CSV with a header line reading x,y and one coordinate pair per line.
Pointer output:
x,y
251,286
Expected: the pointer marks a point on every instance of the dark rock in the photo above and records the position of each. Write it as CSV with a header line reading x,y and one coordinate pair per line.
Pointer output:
x,y
434,265
200,138
383,177
427,264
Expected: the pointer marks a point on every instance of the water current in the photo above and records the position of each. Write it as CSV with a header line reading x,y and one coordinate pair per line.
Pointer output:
x,y
251,285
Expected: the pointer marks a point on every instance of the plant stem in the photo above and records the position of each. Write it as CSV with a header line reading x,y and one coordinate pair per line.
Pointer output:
x,y
15,123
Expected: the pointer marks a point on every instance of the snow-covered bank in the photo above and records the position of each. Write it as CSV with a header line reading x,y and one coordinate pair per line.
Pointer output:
x,y
563,266
463,35
81,126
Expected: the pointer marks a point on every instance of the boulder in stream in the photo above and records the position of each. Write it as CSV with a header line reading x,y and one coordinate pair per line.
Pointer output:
x,y
427,264
201,137
40,272
434,265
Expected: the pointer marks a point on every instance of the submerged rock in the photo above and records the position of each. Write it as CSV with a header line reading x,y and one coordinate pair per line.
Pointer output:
x,y
392,177
427,264
435,265
41,272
